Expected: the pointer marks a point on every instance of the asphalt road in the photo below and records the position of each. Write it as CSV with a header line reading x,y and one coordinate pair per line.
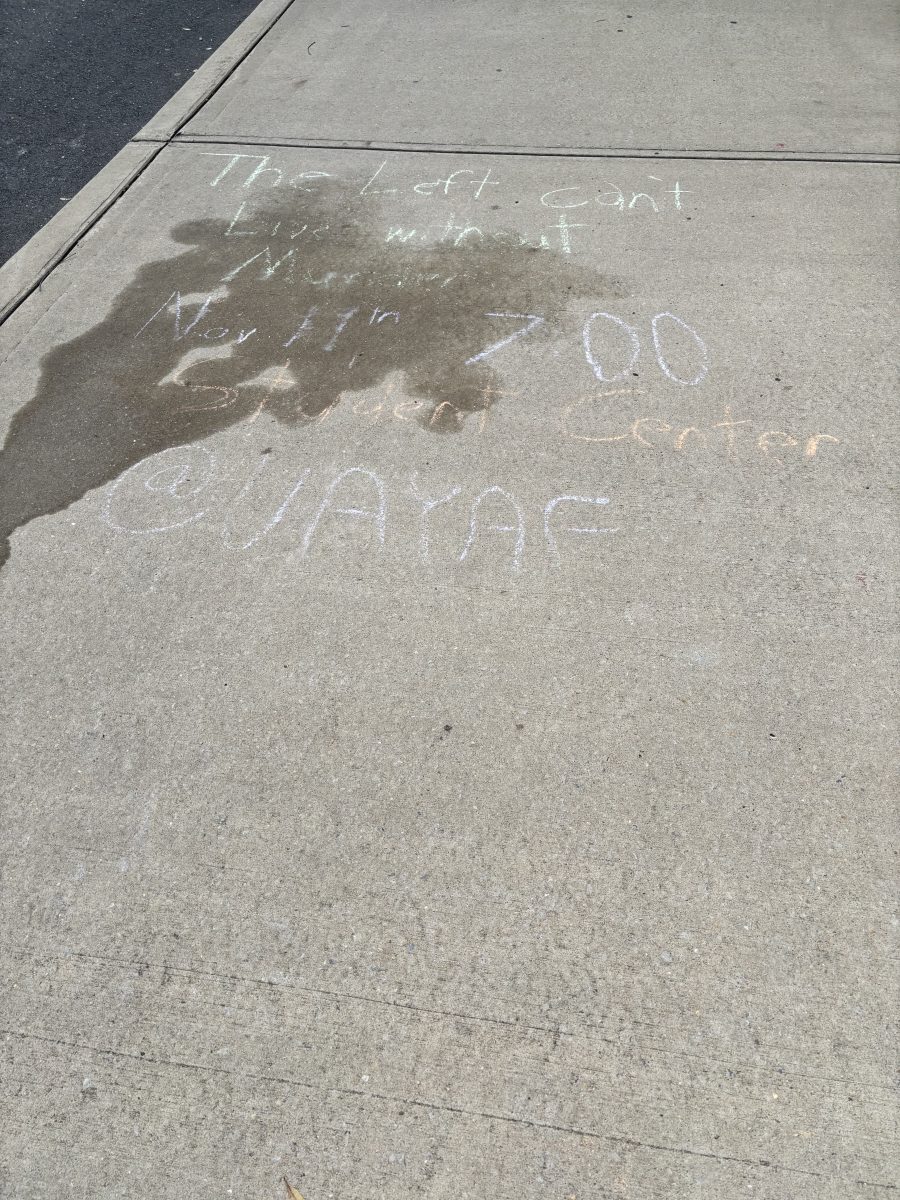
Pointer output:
x,y
77,79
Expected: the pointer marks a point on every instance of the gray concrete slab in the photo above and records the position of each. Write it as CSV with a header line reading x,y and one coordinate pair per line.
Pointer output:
x,y
448,670
750,76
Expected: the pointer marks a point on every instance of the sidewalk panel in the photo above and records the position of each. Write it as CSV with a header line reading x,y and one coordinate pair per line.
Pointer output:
x,y
446,750
751,76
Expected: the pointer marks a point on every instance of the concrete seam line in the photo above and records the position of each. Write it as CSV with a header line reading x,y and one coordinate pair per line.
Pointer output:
x,y
836,156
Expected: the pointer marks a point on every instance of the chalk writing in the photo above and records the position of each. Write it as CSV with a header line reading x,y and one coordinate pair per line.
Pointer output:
x,y
703,364
377,515
163,494
452,232
635,348
189,318
589,352
583,419
533,323
262,171
428,503
555,503
163,480
614,197
309,328
475,524
285,325
276,518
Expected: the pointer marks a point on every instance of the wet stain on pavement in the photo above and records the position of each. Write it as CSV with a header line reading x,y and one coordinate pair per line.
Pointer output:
x,y
298,303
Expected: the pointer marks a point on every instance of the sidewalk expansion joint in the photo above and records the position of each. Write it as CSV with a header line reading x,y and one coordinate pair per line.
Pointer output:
x,y
386,147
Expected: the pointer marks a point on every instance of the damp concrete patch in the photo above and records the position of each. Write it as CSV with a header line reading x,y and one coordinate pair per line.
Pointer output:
x,y
300,299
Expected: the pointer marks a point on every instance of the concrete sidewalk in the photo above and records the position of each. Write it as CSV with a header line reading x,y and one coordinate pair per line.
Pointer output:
x,y
449,546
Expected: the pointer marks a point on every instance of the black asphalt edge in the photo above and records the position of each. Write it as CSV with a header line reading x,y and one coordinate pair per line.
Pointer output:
x,y
68,244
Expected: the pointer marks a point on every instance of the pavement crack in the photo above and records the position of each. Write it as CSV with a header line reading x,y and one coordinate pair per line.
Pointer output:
x,y
434,1106
335,994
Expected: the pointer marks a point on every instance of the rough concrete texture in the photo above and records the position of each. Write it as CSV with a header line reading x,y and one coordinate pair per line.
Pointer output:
x,y
679,75
449,683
